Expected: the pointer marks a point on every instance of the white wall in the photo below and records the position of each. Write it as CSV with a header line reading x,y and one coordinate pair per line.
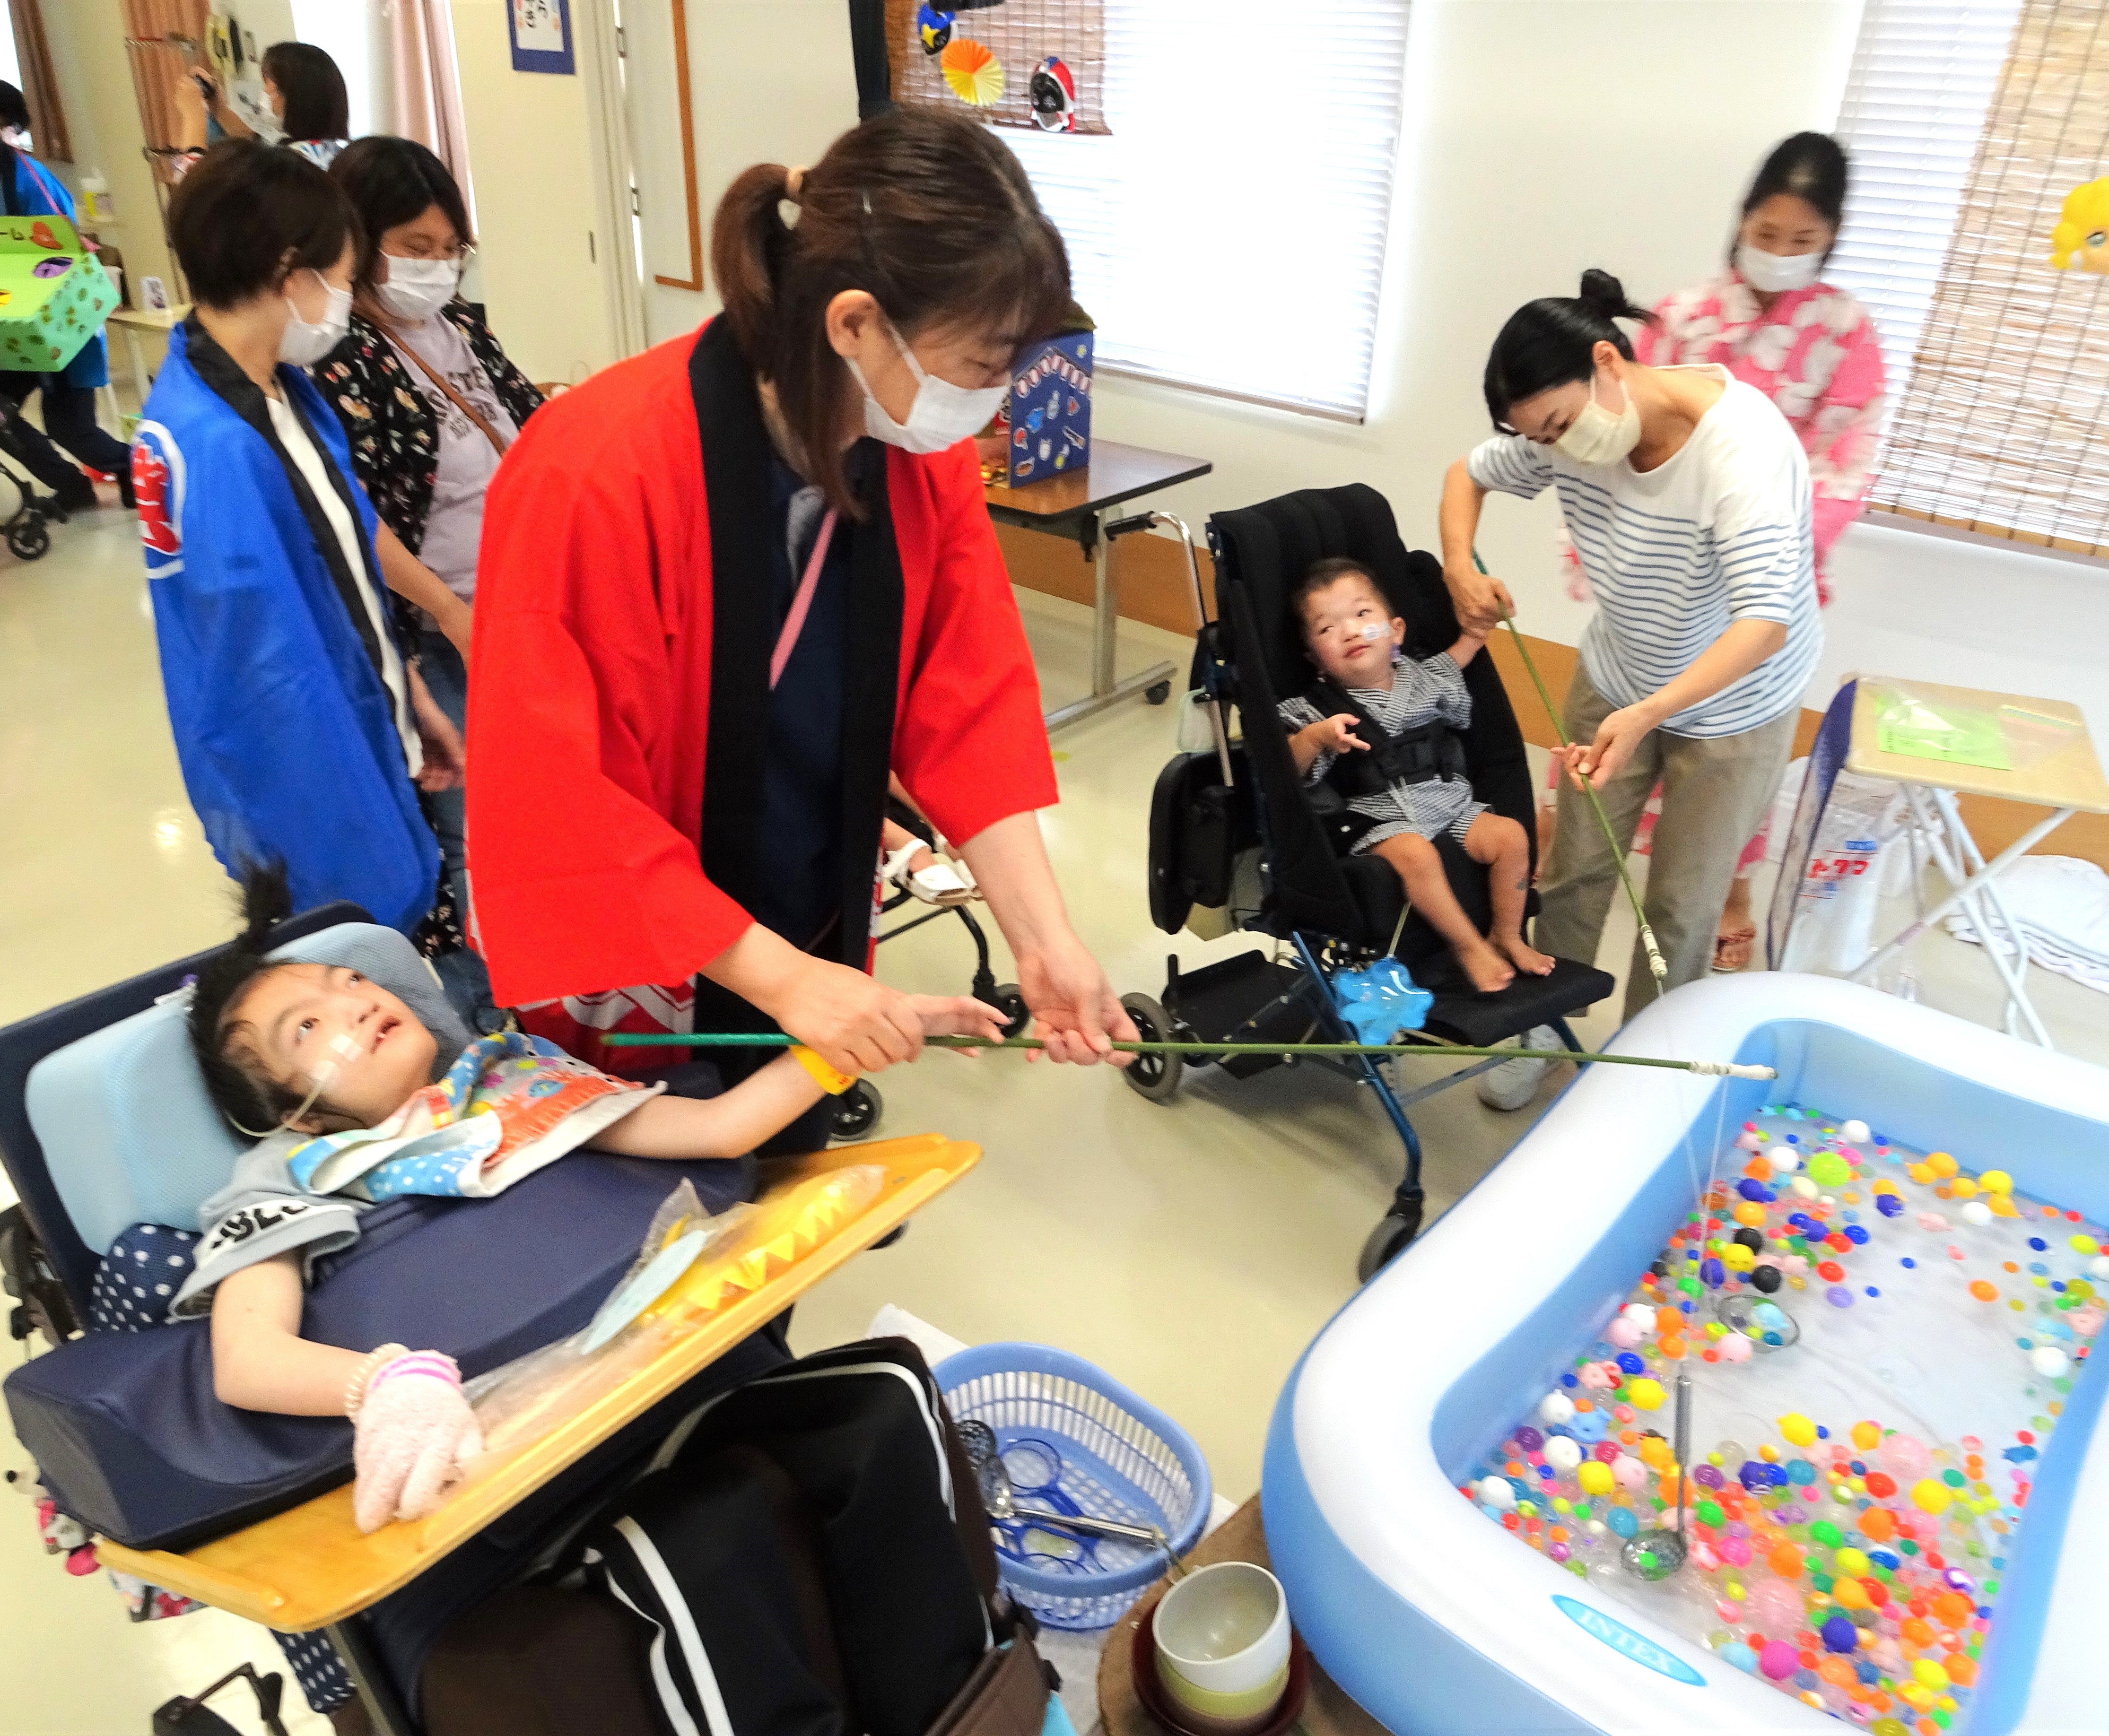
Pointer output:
x,y
770,82
531,145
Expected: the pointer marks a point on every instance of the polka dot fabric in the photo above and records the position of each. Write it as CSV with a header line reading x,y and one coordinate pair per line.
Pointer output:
x,y
139,1276
145,1265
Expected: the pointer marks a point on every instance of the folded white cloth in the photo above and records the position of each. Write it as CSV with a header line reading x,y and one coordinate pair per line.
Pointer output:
x,y
2062,906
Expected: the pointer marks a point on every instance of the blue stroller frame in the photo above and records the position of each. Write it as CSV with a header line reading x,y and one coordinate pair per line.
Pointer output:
x,y
1234,830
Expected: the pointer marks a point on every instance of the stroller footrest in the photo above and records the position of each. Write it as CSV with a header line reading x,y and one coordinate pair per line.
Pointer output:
x,y
1461,1015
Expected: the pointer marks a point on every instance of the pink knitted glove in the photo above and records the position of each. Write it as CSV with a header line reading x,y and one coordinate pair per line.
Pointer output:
x,y
415,1431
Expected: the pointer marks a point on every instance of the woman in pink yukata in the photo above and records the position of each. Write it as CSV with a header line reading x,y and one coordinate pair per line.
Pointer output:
x,y
1772,322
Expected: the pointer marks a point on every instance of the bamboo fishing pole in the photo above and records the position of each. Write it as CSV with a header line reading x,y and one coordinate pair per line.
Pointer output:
x,y
1656,965
779,1039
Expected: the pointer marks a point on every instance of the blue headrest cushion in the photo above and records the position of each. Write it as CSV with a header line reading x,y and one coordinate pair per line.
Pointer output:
x,y
129,1135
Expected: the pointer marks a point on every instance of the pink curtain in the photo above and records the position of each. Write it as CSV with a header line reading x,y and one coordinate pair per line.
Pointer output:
x,y
427,85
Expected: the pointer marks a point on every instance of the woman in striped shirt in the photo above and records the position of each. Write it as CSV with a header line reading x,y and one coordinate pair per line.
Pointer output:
x,y
1687,497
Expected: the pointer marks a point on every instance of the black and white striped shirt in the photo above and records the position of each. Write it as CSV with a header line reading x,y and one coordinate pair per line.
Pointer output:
x,y
1720,533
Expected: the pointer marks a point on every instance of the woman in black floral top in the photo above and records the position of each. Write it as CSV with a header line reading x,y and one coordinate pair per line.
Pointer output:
x,y
429,402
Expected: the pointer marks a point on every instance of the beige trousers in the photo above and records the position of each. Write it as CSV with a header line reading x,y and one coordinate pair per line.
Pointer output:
x,y
1714,790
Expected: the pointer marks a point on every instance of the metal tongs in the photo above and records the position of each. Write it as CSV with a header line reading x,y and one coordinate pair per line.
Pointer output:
x,y
1001,1498
1211,662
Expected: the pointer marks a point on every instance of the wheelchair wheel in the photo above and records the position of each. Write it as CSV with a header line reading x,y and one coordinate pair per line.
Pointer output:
x,y
1009,1000
30,538
1384,1244
1153,1076
857,1111
1157,692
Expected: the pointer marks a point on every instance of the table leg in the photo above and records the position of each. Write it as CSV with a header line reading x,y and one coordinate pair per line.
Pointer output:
x,y
1105,624
2012,972
1966,887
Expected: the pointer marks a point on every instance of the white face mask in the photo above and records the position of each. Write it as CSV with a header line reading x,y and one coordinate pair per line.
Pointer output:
x,y
417,289
303,345
1775,273
1598,435
943,414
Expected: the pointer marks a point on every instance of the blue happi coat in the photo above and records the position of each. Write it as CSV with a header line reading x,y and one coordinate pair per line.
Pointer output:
x,y
288,734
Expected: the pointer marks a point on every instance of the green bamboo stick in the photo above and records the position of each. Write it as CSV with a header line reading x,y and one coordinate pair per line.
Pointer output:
x,y
1656,965
779,1039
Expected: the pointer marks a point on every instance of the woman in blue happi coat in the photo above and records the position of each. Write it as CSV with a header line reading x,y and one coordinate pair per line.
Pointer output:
x,y
304,733
28,189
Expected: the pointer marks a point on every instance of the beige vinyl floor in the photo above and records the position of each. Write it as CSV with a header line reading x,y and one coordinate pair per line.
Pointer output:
x,y
1191,1250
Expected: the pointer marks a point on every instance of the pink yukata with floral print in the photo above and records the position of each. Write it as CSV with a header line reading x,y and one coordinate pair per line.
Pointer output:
x,y
1815,354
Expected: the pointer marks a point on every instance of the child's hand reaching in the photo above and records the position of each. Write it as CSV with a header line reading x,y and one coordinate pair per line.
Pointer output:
x,y
415,1431
1335,734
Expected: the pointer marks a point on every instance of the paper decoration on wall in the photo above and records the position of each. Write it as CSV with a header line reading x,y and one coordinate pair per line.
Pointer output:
x,y
2080,241
1054,93
1062,41
974,74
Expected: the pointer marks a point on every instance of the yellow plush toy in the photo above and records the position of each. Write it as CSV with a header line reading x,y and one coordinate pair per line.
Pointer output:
x,y
2080,241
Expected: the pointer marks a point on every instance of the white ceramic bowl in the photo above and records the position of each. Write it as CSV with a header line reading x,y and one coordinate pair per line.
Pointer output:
x,y
1225,1628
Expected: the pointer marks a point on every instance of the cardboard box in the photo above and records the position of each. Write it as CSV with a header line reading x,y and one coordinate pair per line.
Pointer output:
x,y
1046,423
54,294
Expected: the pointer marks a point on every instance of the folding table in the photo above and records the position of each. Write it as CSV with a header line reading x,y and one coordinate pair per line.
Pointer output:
x,y
2048,760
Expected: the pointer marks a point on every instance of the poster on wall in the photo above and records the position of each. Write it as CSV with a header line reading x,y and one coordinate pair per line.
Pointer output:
x,y
541,32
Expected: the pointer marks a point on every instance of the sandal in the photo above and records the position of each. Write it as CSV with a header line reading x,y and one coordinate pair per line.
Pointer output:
x,y
1732,947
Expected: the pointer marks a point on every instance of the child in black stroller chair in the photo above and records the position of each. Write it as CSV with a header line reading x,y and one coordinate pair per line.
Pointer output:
x,y
1380,727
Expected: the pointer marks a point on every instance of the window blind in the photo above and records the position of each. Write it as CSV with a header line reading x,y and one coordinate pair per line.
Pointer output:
x,y
2002,426
1913,115
1228,232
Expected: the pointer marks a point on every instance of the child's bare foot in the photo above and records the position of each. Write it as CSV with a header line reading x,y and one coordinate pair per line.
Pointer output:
x,y
1524,958
1489,971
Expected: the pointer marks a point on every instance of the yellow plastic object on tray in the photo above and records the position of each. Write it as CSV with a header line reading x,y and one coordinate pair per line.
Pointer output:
x,y
311,1565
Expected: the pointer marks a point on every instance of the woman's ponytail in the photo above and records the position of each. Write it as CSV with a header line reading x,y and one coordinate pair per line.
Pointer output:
x,y
1605,296
1552,341
748,242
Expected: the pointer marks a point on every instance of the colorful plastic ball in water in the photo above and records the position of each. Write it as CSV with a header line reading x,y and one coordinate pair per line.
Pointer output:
x,y
1904,1457
1629,1472
1889,1205
1734,1348
1855,1132
1595,1477
1623,1522
1996,1181
1931,1496
1529,1439
1797,1429
2050,1361
1784,1159
1766,1278
1839,1634
1629,1363
1867,1435
1930,1675
1497,1493
1739,1656
1711,1272
1984,1291
1646,1395
1555,1408
1737,1258
2099,1267
1778,1660
1622,1333
1879,1524
1643,1314
1853,1561
1977,1213
1773,1607
1828,1170
1839,1297
1563,1453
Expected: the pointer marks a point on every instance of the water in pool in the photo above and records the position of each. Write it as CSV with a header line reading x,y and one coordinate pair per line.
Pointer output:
x,y
1879,1343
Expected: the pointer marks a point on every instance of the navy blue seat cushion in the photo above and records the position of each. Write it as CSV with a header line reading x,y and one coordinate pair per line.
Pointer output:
x,y
130,1440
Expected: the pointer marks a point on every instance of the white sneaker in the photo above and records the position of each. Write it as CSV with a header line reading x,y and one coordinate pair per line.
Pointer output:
x,y
1514,1083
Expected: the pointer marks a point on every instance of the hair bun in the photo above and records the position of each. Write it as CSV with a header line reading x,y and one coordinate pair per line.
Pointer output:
x,y
1602,293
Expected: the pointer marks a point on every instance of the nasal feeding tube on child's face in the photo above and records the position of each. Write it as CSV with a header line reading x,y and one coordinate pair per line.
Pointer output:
x,y
342,1049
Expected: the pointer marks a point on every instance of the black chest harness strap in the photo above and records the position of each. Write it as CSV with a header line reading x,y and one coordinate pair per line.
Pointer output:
x,y
1421,755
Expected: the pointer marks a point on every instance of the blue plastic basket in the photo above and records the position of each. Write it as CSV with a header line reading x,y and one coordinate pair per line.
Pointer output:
x,y
1060,1421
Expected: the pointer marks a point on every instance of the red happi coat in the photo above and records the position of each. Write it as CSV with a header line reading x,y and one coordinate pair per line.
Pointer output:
x,y
618,707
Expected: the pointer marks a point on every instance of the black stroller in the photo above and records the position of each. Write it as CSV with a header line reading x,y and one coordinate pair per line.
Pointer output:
x,y
26,530
1234,832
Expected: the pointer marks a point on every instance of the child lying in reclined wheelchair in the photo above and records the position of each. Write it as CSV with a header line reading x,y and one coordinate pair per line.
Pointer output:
x,y
1379,727
337,1077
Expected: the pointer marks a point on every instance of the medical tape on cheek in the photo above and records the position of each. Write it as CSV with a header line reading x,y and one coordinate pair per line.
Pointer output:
x,y
321,1076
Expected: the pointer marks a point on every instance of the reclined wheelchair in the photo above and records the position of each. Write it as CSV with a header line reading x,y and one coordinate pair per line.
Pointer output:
x,y
1236,836
108,1137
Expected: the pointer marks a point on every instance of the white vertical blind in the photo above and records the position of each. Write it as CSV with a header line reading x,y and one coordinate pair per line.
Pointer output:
x,y
1229,234
1913,118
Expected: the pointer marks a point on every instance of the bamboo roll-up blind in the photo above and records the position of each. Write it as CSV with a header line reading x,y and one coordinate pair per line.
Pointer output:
x,y
2004,428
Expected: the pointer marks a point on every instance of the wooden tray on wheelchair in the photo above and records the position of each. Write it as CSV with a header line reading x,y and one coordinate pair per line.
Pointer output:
x,y
311,1567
